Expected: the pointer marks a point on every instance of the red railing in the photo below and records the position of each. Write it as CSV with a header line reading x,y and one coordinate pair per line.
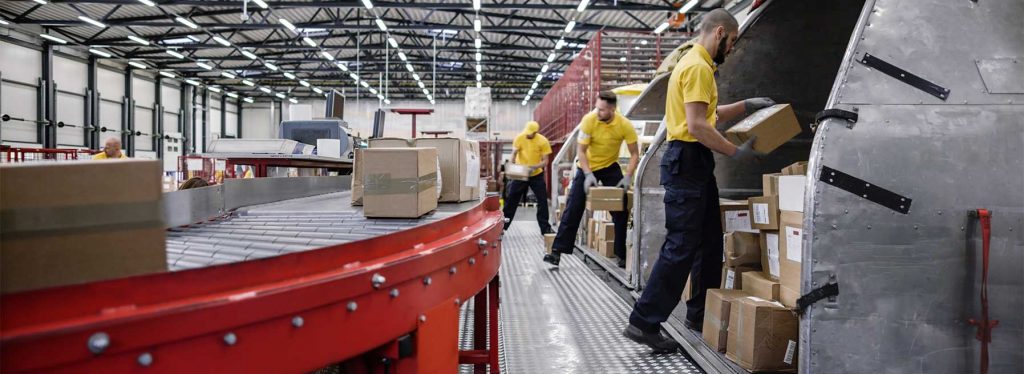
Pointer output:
x,y
573,95
18,154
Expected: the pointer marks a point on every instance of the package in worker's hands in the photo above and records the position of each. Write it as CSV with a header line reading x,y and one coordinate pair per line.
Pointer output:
x,y
773,126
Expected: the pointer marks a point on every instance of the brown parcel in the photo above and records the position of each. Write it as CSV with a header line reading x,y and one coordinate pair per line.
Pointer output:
x,y
770,184
742,249
606,231
762,335
791,224
517,172
764,212
773,126
732,277
735,215
716,316
357,178
549,240
389,143
399,182
66,223
756,284
460,167
770,254
605,198
796,168
606,248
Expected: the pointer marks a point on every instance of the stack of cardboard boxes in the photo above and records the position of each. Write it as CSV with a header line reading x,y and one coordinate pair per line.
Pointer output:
x,y
600,229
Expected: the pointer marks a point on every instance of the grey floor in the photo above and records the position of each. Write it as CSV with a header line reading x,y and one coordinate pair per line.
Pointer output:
x,y
563,320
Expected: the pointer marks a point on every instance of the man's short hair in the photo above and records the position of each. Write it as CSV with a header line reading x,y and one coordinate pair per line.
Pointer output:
x,y
608,97
718,17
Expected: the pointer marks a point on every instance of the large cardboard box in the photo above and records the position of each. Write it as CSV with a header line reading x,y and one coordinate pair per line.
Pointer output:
x,y
479,188
735,216
606,199
716,316
732,277
796,168
762,335
773,126
517,172
770,254
549,240
770,184
791,192
399,182
389,143
606,248
460,167
742,249
790,262
67,223
756,284
357,178
764,212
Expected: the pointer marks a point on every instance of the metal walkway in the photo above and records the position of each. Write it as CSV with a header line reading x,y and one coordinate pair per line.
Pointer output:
x,y
564,320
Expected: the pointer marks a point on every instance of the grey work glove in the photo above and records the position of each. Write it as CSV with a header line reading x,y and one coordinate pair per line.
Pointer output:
x,y
757,103
746,151
589,181
626,181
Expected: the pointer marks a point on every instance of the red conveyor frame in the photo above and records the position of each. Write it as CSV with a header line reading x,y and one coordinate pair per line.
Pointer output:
x,y
291,313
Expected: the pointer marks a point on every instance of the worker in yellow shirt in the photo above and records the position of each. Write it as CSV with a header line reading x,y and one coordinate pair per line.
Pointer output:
x,y
693,239
111,150
532,149
600,137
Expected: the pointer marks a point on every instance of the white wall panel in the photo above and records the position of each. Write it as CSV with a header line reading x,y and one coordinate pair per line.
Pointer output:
x,y
214,126
110,116
258,123
232,125
20,63
70,75
18,101
144,123
70,110
171,98
171,122
144,92
111,84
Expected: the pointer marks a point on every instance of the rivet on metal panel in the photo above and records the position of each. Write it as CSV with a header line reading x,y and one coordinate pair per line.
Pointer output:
x,y
494,245
393,293
297,321
486,252
452,270
915,227
472,261
377,280
846,211
352,306
482,243
869,227
98,342
961,228
230,338
457,301
145,359
834,227
423,318
427,281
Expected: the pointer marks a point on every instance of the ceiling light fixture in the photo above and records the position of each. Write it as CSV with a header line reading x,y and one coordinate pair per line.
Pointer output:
x,y
416,76
365,84
287,24
289,75
138,40
192,82
477,43
222,41
353,76
168,75
317,90
304,83
583,6
381,25
41,2
401,55
250,55
570,26
53,39
367,4
327,55
420,84
260,3
342,66
175,54
186,22
478,56
689,5
551,57
476,4
93,22
409,68
147,2
280,96
267,90
545,68
661,28
393,42
213,89
231,95
137,65
204,66
248,100
248,83
227,75
270,66
309,42
292,100
476,25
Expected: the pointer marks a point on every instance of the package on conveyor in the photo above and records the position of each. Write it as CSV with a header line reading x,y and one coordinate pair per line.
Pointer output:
x,y
357,177
735,216
605,239
460,167
773,126
549,241
389,143
66,223
790,246
399,182
717,305
770,254
762,335
517,172
606,199
732,277
742,249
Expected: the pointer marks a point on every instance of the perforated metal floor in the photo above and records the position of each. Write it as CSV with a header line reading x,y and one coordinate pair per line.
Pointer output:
x,y
563,320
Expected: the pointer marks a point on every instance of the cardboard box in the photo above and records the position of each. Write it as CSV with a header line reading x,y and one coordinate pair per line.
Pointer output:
x,y
477,190
716,316
773,126
770,264
790,247
791,192
399,182
762,335
517,172
606,231
770,184
756,284
549,241
357,178
389,143
606,248
796,168
67,223
732,277
328,147
764,212
606,199
460,167
742,249
735,216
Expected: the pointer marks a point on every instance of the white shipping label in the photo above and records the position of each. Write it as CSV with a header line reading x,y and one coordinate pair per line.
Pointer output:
x,y
730,279
472,169
761,214
790,352
221,165
773,254
737,220
793,243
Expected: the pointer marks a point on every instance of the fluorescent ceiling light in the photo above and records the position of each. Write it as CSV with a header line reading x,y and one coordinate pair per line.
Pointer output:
x,y
231,95
53,39
353,76
250,55
529,93
292,99
227,75
551,57
661,28
287,24
147,2
260,3
342,66
545,68
137,65
476,4
431,98
309,41
476,25
270,66
248,83
214,89
186,22
539,77
425,92
175,54
479,68
381,25
289,75
477,43
560,44
222,41
168,75
409,68
248,100
401,55
93,22
524,102
41,2
643,42
479,77
365,84
280,95
622,59
4,22
138,40
387,101
527,97
583,5
534,85
380,97
373,91
367,4
689,5
478,56
267,90
304,83
393,42
327,55
317,90
415,76
192,82
420,84
569,27
204,66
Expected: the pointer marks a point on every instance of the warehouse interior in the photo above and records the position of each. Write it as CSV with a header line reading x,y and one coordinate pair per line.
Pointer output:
x,y
487,186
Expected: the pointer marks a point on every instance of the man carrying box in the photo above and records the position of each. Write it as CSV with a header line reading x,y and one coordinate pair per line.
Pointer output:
x,y
530,149
693,241
600,138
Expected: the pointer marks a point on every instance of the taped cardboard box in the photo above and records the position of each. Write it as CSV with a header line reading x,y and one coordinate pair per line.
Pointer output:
x,y
790,262
764,212
357,178
770,184
67,223
517,172
762,335
735,216
742,249
477,190
770,255
399,182
791,192
460,167
606,248
716,316
732,277
756,284
549,241
389,143
605,199
773,126
606,231
796,168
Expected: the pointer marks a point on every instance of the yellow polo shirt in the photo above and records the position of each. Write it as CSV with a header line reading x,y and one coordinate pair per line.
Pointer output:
x,y
604,139
103,156
531,150
692,80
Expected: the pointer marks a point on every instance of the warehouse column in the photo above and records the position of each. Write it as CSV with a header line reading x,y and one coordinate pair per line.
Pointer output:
x,y
128,119
92,106
238,131
206,120
46,129
158,118
223,115
186,116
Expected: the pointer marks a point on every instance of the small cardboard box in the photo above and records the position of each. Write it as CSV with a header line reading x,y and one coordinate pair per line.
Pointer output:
x,y
770,184
796,168
606,248
735,216
790,262
762,335
606,231
389,143
76,222
764,212
549,240
399,182
756,284
517,172
460,167
773,126
716,316
791,192
606,199
742,249
357,178
770,254
732,277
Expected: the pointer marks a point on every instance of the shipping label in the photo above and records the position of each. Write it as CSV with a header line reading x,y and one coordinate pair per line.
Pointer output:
x,y
737,220
790,352
793,243
472,169
730,279
761,214
773,254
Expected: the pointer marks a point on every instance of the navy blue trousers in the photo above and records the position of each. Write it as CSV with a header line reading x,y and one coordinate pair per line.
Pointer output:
x,y
516,190
576,204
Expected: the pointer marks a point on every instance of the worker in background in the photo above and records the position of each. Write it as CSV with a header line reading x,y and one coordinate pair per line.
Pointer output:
x,y
693,241
111,150
531,149
599,140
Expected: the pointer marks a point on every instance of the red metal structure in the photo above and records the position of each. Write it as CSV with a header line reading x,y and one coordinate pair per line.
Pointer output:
x,y
413,113
390,302
573,95
18,154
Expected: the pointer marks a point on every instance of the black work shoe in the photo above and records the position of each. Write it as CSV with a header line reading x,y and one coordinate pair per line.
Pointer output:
x,y
695,326
621,263
553,258
656,341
